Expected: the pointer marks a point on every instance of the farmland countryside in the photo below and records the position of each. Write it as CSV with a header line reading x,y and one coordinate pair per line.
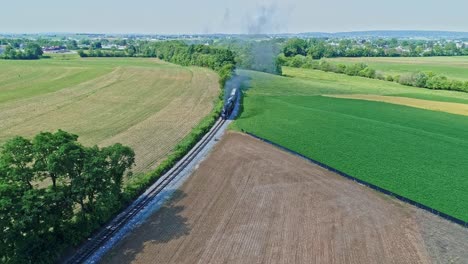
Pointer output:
x,y
147,104
451,67
412,152
128,136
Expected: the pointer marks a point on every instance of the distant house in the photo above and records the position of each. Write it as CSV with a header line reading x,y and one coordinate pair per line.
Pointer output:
x,y
2,48
401,49
113,46
54,49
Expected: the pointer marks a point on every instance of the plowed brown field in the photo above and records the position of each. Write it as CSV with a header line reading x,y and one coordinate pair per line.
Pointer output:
x,y
252,203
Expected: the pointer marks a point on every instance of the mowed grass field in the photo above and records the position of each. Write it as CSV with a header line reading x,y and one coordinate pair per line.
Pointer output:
x,y
453,67
417,153
147,104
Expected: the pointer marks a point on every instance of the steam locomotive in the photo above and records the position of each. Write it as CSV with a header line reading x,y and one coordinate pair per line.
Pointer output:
x,y
230,104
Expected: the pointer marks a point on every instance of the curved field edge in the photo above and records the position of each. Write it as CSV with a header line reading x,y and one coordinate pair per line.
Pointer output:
x,y
415,153
333,83
123,73
452,67
452,108
146,104
56,73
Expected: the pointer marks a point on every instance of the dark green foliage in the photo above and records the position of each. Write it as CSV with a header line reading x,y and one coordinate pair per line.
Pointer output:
x,y
297,61
32,51
72,45
218,59
295,47
354,70
368,73
96,45
42,184
102,53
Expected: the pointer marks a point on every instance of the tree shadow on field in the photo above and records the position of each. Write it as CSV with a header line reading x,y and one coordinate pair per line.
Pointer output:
x,y
165,225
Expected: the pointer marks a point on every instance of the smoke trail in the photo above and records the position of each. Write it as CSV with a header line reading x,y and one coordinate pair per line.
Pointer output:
x,y
266,19
226,18
263,20
236,81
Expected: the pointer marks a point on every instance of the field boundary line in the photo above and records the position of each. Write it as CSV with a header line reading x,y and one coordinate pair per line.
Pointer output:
x,y
367,184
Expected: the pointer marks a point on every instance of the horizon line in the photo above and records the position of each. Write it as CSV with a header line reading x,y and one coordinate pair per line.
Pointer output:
x,y
245,34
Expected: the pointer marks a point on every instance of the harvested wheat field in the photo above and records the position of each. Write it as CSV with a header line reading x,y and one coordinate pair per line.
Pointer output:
x,y
448,107
250,202
146,104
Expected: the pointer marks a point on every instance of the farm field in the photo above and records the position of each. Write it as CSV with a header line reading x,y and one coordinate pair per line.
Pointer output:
x,y
146,104
332,83
448,107
250,202
452,67
413,152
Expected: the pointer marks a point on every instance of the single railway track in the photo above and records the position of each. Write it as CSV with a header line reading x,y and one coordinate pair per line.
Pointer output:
x,y
123,218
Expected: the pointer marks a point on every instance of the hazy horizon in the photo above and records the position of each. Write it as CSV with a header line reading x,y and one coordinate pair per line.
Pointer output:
x,y
214,33
231,17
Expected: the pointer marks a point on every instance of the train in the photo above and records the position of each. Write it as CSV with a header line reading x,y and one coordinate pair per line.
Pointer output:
x,y
230,104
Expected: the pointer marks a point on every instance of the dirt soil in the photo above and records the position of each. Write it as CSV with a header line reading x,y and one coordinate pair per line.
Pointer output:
x,y
250,202
453,108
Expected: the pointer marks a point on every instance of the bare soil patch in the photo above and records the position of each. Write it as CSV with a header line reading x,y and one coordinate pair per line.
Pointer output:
x,y
453,108
250,202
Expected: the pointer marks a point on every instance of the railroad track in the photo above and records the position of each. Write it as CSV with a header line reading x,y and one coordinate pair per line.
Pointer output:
x,y
123,218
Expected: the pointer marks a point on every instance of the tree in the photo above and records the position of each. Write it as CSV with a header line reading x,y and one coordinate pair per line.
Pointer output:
x,y
295,47
47,150
355,69
131,50
317,49
119,159
367,72
96,45
16,158
82,54
72,45
37,219
9,53
34,50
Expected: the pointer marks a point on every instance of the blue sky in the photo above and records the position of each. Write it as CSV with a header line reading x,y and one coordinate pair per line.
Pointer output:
x,y
231,16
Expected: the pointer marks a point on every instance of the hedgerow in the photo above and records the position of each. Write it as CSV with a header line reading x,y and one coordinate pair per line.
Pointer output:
x,y
428,80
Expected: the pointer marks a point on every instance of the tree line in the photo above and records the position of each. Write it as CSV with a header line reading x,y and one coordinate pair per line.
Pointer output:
x,y
330,48
218,59
428,80
32,51
247,54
